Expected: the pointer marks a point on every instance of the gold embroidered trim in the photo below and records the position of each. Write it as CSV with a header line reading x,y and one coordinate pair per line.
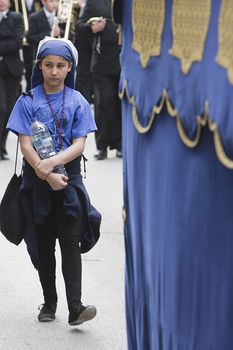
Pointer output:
x,y
221,154
190,23
148,22
225,41
156,110
202,121
123,215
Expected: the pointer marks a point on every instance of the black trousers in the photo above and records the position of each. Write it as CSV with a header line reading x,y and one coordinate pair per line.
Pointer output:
x,y
84,81
67,230
9,92
107,106
28,64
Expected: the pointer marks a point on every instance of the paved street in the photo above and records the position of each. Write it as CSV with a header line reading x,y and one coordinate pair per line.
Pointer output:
x,y
103,274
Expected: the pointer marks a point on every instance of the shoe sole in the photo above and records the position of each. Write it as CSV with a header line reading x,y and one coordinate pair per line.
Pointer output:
x,y
88,314
46,319
100,157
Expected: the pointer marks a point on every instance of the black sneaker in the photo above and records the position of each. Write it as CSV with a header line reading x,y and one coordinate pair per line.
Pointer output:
x,y
81,314
47,312
102,154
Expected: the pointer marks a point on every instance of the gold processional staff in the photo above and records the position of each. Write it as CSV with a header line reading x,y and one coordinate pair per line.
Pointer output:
x,y
25,17
64,15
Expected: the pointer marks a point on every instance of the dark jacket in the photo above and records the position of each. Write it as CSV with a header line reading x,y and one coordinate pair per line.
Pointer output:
x,y
39,28
11,39
106,61
35,198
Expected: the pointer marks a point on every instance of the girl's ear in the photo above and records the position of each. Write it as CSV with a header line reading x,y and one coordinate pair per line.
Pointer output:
x,y
40,65
69,66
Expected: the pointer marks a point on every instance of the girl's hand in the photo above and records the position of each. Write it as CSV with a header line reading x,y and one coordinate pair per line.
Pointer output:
x,y
57,181
44,167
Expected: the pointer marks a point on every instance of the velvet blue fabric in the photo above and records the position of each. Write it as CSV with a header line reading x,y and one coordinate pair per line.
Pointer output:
x,y
178,240
178,201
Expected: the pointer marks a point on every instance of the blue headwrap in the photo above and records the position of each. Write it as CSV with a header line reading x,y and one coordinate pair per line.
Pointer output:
x,y
57,47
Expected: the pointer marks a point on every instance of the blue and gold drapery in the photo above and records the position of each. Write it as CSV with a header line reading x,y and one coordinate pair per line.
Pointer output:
x,y
177,113
188,72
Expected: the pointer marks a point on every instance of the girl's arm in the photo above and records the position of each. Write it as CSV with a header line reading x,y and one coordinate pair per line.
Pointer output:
x,y
46,166
28,151
56,181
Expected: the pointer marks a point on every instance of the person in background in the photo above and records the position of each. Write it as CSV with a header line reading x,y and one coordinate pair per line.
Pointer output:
x,y
11,66
56,205
43,23
96,22
31,7
83,43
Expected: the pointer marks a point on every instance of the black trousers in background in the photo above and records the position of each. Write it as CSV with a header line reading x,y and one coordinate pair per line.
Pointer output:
x,y
107,106
10,90
28,63
67,230
84,81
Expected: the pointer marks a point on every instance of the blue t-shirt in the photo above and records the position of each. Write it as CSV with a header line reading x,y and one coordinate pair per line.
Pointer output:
x,y
78,118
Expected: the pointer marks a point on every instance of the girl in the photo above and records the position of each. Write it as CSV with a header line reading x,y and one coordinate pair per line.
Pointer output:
x,y
56,205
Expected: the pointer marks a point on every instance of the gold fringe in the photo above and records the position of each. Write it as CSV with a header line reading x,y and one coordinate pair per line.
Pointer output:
x,y
156,110
119,32
184,137
201,122
221,154
123,214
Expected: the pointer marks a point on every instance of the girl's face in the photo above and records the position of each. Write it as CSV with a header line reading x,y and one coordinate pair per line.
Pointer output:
x,y
54,70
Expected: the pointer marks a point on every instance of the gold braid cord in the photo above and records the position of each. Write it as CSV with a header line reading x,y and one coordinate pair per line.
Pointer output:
x,y
202,121
225,51
148,22
190,23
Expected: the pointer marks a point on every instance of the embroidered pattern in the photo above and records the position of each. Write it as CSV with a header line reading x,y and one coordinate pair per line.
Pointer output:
x,y
148,22
190,23
225,41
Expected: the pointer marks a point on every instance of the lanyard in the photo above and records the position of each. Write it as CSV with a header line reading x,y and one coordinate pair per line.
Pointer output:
x,y
58,124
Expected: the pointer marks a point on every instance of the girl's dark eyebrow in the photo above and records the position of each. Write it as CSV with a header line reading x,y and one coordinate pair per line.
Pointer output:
x,y
62,59
54,62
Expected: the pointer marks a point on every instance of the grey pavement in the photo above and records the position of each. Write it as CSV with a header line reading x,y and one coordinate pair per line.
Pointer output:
x,y
103,274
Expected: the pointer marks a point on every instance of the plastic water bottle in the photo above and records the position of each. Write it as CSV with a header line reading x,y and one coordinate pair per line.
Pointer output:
x,y
43,143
